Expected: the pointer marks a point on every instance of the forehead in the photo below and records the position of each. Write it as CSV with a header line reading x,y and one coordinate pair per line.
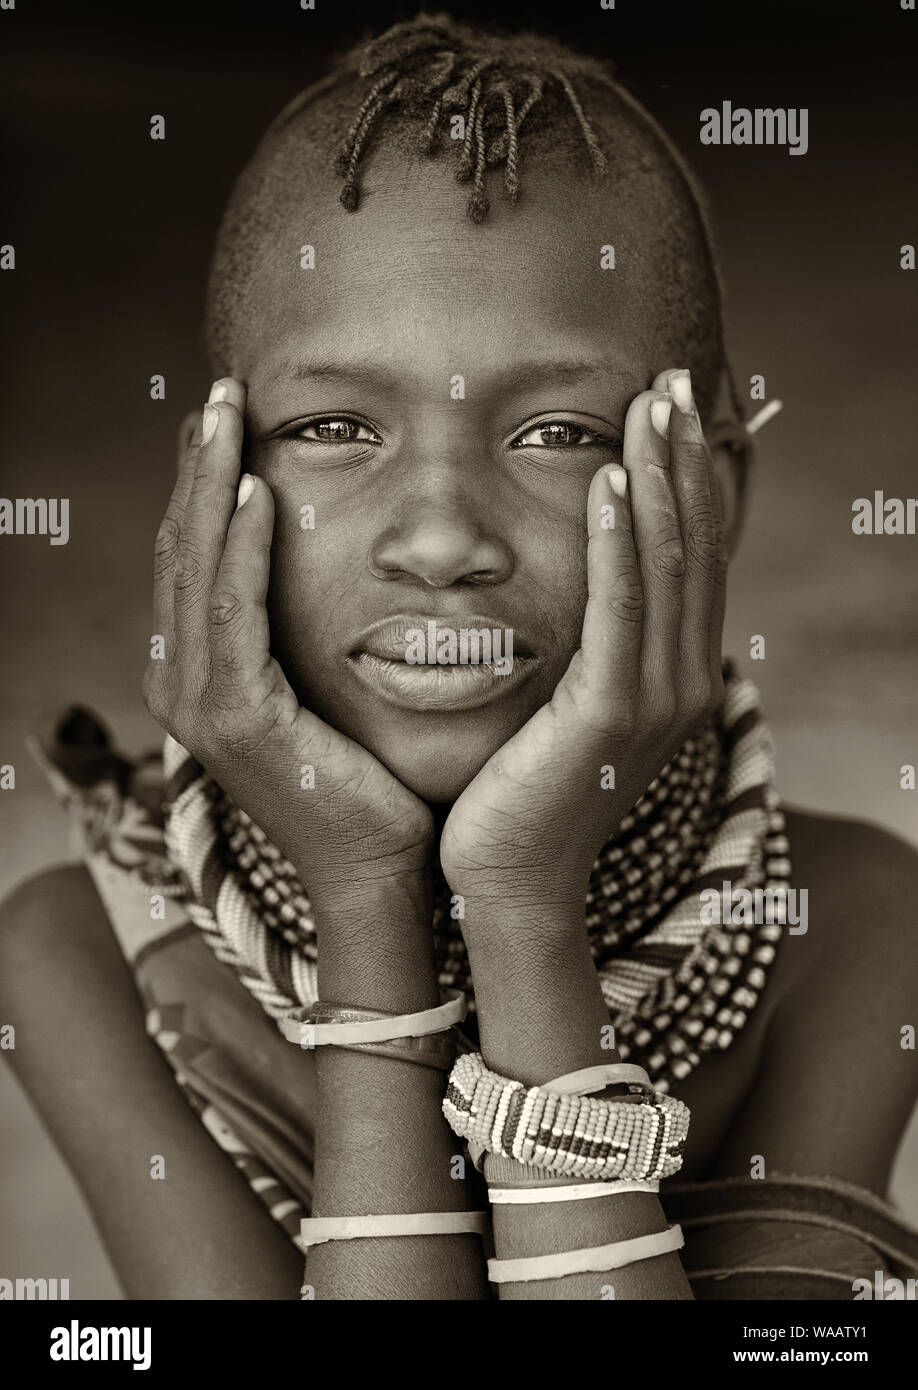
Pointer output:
x,y
409,278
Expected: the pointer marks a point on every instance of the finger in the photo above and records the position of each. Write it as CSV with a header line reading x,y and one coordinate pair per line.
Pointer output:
x,y
661,380
187,428
719,597
704,588
657,535
614,618
237,613
210,506
189,434
168,536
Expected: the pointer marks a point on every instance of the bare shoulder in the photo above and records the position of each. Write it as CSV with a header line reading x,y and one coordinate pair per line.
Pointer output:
x,y
861,883
854,852
838,1076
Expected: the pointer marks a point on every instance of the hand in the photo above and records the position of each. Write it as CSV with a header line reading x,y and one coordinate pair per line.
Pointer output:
x,y
527,830
222,695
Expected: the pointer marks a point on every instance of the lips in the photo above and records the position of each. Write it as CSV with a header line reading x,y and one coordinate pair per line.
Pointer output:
x,y
441,675
389,640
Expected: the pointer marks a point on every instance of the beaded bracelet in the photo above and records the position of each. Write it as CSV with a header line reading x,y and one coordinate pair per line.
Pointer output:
x,y
635,1137
579,1083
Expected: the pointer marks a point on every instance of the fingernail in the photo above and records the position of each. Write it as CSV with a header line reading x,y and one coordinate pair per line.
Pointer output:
x,y
209,422
659,415
246,486
680,385
618,479
218,392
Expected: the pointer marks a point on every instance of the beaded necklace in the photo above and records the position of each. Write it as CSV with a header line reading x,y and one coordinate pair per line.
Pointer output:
x,y
676,983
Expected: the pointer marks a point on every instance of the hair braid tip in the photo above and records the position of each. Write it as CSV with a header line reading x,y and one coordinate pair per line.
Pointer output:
x,y
478,204
433,65
349,197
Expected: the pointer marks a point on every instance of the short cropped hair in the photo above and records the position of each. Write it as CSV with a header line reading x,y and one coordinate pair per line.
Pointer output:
x,y
520,96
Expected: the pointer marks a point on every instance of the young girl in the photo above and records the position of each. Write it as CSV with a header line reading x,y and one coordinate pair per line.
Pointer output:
x,y
427,940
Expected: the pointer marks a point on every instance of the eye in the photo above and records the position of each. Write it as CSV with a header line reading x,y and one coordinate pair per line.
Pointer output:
x,y
337,429
559,434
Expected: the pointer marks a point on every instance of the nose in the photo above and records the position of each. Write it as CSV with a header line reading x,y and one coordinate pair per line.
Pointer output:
x,y
441,536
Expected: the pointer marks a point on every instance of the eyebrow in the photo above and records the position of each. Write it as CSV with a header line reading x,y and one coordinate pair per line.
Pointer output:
x,y
518,375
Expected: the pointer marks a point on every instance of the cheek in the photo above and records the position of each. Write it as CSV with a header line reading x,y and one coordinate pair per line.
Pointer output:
x,y
569,593
313,555
552,553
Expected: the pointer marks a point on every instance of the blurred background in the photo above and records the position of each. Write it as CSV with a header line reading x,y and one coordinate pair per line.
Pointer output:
x,y
113,233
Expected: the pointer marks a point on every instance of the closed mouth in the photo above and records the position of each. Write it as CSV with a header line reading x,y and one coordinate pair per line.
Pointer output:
x,y
438,664
421,640
440,687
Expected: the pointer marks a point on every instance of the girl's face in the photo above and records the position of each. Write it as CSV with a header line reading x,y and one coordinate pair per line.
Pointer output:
x,y
440,394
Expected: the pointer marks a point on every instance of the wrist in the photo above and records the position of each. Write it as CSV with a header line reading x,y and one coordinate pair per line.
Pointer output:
x,y
518,920
375,948
541,1012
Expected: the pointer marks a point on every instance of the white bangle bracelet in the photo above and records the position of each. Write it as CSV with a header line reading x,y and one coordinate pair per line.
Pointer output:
x,y
598,1259
573,1192
296,1027
591,1079
316,1230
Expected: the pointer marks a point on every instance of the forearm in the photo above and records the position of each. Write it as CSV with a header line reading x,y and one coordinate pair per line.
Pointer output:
x,y
542,1015
382,1144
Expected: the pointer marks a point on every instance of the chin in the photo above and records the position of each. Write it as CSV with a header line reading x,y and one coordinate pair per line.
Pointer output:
x,y
435,756
434,783
436,765
434,753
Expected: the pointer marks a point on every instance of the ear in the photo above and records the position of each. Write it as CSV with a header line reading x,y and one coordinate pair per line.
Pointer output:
x,y
733,453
